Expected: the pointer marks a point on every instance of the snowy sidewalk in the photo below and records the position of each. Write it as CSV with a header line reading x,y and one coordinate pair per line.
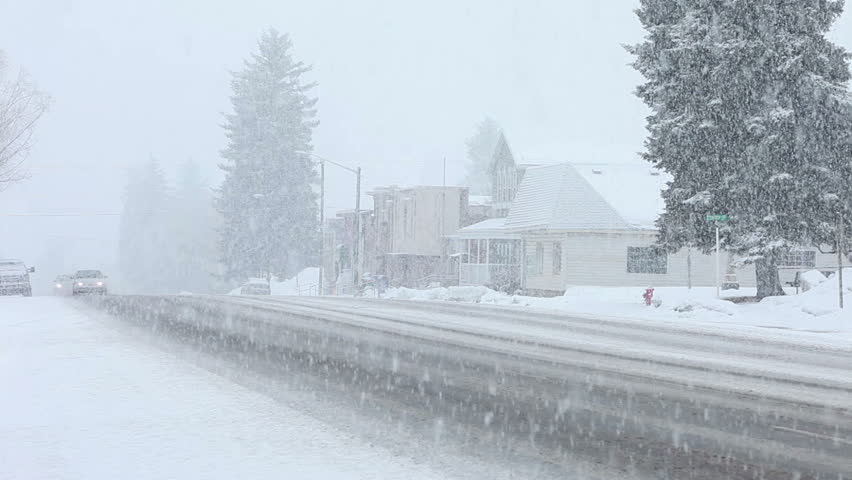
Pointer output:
x,y
81,401
812,315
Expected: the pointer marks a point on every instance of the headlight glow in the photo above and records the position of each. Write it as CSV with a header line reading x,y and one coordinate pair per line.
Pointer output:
x,y
100,284
79,284
58,285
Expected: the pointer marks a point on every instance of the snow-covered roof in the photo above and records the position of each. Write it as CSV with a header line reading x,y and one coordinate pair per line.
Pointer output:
x,y
588,197
491,228
12,265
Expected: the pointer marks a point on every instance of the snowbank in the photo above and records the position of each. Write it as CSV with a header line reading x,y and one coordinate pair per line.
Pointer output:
x,y
811,279
814,311
304,283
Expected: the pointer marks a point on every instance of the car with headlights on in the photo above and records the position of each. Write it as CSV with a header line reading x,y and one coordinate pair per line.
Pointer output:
x,y
63,285
89,282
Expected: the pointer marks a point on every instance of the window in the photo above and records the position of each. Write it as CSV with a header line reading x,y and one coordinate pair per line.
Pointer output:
x,y
539,258
405,219
535,262
502,252
647,260
557,258
799,259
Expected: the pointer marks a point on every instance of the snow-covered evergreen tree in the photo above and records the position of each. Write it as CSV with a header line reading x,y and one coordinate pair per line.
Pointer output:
x,y
267,201
193,225
480,152
145,244
751,117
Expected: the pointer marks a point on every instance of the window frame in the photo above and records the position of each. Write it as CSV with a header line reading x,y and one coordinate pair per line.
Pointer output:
x,y
643,264
556,261
803,259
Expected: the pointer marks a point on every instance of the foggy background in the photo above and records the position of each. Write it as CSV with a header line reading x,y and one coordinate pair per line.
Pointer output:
x,y
401,86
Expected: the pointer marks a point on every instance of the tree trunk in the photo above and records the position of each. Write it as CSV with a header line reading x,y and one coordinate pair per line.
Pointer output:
x,y
768,282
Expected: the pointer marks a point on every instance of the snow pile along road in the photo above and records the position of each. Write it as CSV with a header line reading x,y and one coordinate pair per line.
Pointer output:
x,y
302,284
816,310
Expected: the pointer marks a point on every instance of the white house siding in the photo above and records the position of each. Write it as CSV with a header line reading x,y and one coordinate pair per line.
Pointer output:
x,y
546,281
418,227
600,259
787,273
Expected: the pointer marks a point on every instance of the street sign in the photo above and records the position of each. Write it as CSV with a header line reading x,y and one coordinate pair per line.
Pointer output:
x,y
718,219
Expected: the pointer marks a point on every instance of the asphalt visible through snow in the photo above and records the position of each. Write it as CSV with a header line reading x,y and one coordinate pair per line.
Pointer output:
x,y
650,399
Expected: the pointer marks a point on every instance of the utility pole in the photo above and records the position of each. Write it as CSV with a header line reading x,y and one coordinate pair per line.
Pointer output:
x,y
718,264
356,253
443,217
322,228
357,172
840,251
689,268
717,219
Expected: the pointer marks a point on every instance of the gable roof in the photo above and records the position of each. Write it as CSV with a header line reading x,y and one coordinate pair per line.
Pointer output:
x,y
502,154
588,197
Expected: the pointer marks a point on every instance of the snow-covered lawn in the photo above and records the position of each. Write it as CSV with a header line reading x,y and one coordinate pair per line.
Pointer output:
x,y
813,311
83,401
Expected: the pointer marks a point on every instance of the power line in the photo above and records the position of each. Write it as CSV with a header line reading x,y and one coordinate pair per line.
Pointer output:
x,y
60,214
85,214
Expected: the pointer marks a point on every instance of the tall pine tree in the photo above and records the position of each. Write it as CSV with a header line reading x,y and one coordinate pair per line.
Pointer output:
x,y
750,115
193,223
267,200
480,154
145,244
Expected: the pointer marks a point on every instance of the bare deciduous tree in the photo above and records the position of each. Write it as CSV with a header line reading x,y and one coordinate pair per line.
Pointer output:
x,y
21,106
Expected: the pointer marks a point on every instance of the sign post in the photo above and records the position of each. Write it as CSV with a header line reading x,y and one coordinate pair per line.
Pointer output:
x,y
717,219
840,250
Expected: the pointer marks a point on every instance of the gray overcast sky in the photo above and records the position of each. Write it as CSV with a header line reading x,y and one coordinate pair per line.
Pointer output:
x,y
401,85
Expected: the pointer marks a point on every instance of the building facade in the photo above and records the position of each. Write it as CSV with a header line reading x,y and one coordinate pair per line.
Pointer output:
x,y
593,225
411,226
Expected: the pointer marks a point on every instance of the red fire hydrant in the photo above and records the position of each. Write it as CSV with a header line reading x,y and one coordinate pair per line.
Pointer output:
x,y
648,296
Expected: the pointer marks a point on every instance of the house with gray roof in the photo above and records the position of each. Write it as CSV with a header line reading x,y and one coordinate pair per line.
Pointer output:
x,y
594,224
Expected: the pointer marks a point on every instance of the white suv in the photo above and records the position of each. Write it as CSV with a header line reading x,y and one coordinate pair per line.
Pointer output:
x,y
89,281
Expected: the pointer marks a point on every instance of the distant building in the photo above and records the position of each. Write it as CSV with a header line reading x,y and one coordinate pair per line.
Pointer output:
x,y
339,247
485,252
479,208
506,177
410,225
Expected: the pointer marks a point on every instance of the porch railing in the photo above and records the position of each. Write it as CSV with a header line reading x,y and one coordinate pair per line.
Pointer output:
x,y
488,273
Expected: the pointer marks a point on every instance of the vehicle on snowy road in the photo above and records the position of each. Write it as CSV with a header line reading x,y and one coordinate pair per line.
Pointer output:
x,y
256,288
63,285
15,278
89,282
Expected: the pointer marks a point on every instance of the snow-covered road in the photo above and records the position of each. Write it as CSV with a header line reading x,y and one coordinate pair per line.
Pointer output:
x,y
83,400
649,398
776,363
